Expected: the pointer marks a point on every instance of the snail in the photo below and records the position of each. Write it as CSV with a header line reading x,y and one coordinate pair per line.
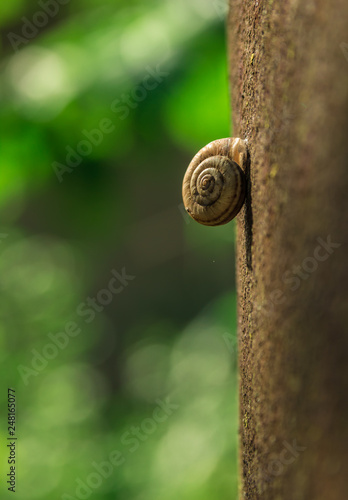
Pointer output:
x,y
214,184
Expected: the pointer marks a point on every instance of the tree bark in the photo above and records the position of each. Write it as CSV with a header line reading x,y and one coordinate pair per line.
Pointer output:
x,y
289,87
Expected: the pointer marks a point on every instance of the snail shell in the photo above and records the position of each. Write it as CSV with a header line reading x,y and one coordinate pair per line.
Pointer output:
x,y
214,184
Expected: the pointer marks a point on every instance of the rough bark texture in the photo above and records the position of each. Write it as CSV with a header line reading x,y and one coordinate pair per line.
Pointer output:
x,y
289,84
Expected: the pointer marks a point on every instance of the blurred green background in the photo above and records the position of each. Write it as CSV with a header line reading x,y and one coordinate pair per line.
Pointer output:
x,y
103,105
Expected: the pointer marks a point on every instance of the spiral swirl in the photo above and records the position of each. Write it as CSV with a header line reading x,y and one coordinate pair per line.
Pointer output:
x,y
214,184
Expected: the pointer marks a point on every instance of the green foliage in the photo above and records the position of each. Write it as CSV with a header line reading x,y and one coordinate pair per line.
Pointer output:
x,y
168,333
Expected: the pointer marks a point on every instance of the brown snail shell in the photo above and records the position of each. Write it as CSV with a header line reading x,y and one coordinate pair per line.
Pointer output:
x,y
214,184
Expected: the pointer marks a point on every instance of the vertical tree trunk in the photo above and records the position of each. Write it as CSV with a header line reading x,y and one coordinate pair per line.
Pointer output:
x,y
289,83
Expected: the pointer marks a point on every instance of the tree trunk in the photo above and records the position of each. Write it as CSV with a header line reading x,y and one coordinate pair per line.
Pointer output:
x,y
289,81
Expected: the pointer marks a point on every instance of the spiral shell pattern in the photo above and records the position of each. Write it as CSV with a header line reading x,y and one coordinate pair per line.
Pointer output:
x,y
214,184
